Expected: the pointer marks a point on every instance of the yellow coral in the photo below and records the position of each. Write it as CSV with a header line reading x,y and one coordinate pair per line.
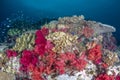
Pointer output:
x,y
26,41
61,40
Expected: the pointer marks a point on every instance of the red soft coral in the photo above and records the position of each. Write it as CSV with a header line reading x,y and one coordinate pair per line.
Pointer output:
x,y
72,61
28,58
36,74
117,77
79,64
40,39
40,43
45,31
70,56
11,53
95,53
105,77
50,58
40,49
67,56
60,66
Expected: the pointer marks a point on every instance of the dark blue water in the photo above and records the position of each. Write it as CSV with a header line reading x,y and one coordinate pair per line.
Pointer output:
x,y
105,11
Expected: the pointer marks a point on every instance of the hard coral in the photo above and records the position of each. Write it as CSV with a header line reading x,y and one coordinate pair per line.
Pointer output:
x,y
61,40
26,41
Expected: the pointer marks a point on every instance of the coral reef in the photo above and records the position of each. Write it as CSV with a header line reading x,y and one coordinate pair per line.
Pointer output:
x,y
70,48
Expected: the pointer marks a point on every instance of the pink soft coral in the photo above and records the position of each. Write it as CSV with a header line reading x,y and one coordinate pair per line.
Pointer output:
x,y
49,45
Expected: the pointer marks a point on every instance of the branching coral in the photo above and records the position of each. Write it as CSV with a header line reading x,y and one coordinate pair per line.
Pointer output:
x,y
26,41
14,32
